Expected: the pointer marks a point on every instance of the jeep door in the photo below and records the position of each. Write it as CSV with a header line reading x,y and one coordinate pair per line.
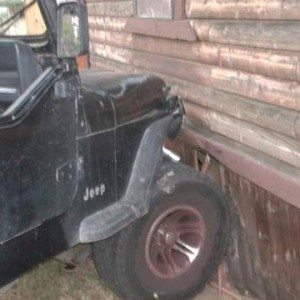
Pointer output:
x,y
38,156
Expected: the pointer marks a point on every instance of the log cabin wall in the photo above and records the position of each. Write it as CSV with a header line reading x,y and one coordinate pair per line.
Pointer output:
x,y
236,66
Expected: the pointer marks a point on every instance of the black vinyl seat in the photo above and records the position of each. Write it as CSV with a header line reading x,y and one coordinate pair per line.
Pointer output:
x,y
18,69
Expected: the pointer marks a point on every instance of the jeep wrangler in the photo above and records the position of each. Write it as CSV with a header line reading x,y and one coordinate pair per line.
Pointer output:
x,y
82,161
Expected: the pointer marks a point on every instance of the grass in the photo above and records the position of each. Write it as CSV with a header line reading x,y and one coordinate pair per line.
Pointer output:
x,y
51,281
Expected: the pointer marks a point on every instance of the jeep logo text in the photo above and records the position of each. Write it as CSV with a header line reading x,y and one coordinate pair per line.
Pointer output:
x,y
99,190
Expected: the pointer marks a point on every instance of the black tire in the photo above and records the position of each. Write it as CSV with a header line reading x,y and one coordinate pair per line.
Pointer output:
x,y
121,260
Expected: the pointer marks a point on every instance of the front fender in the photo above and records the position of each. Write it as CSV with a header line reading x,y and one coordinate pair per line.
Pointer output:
x,y
135,202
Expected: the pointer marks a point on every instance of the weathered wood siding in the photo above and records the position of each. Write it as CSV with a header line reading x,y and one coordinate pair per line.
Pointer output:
x,y
248,59
236,65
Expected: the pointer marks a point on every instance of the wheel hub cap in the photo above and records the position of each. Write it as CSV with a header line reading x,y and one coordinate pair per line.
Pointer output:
x,y
174,241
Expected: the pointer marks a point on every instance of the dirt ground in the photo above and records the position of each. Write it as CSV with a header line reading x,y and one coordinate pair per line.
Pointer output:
x,y
51,281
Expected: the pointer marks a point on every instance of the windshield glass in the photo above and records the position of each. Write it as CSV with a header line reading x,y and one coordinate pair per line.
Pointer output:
x,y
21,18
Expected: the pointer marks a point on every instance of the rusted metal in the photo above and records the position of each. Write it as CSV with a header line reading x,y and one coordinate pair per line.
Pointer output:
x,y
244,9
83,62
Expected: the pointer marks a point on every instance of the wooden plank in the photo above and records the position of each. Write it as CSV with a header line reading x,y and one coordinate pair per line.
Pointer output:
x,y
284,35
244,9
34,20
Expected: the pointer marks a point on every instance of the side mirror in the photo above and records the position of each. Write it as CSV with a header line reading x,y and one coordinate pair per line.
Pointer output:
x,y
72,31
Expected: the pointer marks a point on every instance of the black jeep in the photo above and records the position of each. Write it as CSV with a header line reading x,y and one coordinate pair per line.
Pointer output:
x,y
82,161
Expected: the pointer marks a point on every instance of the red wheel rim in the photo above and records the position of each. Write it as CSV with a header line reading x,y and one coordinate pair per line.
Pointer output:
x,y
174,241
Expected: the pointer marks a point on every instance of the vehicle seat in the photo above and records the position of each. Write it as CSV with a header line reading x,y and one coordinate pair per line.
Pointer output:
x,y
18,69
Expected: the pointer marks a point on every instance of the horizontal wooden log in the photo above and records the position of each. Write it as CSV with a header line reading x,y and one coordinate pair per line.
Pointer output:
x,y
264,34
282,93
275,118
279,178
273,63
244,9
112,9
266,141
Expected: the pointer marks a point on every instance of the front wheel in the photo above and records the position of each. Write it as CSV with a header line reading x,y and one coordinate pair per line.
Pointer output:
x,y
173,251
